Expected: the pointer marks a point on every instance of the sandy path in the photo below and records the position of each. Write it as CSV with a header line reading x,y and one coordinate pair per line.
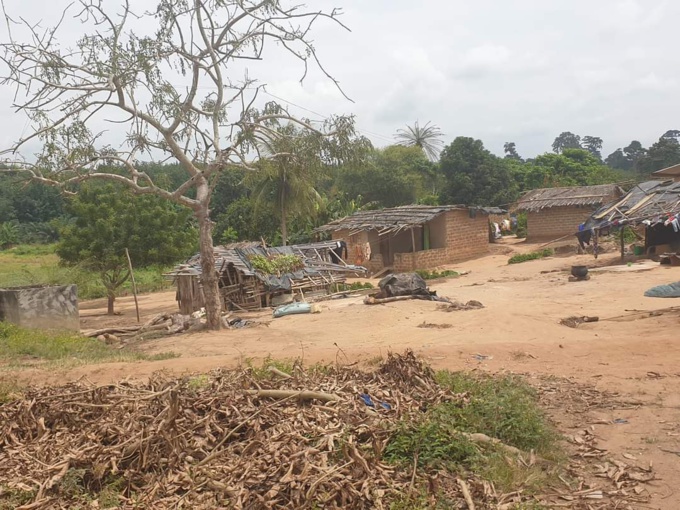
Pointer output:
x,y
519,327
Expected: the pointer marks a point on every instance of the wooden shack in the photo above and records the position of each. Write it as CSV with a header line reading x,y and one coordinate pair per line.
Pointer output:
x,y
244,287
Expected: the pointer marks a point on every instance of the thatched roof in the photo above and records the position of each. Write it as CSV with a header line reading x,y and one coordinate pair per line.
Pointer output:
x,y
651,201
393,220
239,254
671,171
577,196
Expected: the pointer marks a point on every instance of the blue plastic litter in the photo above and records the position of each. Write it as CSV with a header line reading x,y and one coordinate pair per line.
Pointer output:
x,y
620,421
369,402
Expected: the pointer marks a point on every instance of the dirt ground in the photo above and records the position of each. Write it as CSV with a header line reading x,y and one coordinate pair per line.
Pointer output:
x,y
519,330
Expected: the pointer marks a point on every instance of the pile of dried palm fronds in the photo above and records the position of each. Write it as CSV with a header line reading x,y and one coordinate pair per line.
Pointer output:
x,y
233,439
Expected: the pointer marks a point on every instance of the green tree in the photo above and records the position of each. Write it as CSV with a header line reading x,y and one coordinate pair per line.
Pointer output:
x,y
389,177
288,182
9,234
474,176
510,150
108,219
573,167
427,138
662,154
566,140
593,144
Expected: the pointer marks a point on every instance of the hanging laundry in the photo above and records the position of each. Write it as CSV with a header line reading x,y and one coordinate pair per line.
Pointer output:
x,y
367,251
584,237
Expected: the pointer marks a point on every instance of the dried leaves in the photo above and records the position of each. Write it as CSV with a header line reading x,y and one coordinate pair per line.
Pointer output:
x,y
209,442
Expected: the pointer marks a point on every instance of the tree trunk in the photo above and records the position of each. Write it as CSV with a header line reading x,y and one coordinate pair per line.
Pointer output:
x,y
111,297
284,227
209,280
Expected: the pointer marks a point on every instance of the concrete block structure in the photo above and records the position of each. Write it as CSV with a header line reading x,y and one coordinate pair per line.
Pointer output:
x,y
413,237
41,306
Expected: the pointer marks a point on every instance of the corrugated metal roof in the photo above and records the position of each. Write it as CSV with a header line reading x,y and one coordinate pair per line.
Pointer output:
x,y
546,198
652,201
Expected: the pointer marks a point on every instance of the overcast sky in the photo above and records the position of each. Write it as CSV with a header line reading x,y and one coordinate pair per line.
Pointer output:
x,y
498,70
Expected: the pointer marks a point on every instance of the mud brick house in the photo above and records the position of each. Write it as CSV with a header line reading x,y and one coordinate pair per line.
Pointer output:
x,y
556,212
413,236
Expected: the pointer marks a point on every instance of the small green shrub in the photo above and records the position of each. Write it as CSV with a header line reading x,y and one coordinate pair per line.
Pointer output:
x,y
436,443
524,257
348,287
433,275
504,407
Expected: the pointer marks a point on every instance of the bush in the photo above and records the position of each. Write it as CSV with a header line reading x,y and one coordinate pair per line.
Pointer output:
x,y
433,275
346,287
505,408
531,256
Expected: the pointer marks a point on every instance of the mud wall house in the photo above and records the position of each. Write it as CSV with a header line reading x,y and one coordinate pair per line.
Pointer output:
x,y
412,237
556,212
41,306
243,287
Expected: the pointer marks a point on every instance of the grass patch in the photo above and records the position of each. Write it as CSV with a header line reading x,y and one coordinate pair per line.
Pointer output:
x,y
433,275
505,408
39,265
9,390
18,345
524,257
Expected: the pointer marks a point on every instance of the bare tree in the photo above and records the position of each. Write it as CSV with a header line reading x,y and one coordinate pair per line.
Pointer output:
x,y
112,74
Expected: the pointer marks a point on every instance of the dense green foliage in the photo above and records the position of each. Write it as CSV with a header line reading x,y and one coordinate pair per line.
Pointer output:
x,y
312,186
109,219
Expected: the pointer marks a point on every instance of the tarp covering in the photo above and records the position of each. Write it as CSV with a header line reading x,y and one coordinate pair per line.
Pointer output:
x,y
672,290
403,284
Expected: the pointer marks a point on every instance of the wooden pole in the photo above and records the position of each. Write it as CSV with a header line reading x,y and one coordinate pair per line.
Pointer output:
x,y
413,243
623,247
134,284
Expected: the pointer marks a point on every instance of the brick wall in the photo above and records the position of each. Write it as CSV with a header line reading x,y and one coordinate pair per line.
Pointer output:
x,y
555,222
467,237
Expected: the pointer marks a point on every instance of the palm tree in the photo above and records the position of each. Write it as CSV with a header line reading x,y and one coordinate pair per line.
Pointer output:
x,y
287,180
426,137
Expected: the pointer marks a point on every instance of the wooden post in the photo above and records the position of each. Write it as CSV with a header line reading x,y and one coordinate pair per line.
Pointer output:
x,y
134,284
623,247
413,243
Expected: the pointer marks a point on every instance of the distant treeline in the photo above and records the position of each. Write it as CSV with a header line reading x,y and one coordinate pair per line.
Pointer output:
x,y
251,204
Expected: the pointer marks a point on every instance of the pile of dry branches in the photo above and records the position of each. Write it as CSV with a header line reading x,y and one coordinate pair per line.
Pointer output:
x,y
229,440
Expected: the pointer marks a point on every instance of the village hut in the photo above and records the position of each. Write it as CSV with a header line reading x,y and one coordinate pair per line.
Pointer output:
x,y
670,173
414,236
654,205
253,276
557,212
